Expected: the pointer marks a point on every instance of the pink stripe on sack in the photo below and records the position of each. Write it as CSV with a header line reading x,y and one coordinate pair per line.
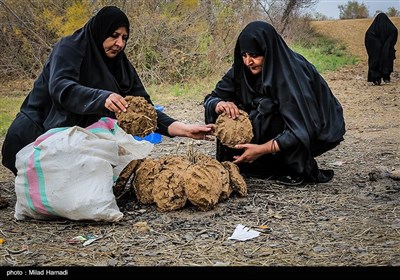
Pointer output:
x,y
103,123
48,134
34,186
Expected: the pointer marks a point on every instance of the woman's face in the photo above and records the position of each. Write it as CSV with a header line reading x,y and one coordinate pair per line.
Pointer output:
x,y
253,62
116,42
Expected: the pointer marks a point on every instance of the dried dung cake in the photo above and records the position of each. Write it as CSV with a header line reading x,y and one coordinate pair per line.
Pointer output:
x,y
169,191
174,163
124,177
213,163
234,131
144,180
236,180
140,118
203,185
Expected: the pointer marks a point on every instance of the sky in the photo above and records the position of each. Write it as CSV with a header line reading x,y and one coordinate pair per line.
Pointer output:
x,y
330,8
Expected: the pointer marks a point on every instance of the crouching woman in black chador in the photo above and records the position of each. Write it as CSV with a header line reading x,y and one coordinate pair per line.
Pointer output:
x,y
294,114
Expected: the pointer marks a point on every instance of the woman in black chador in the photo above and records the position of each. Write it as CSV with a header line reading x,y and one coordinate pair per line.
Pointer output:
x,y
380,39
294,114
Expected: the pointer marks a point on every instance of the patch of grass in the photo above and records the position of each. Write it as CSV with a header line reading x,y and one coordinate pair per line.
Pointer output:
x,y
326,54
194,90
9,108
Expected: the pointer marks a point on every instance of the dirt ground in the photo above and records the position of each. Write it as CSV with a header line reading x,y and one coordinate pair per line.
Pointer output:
x,y
353,220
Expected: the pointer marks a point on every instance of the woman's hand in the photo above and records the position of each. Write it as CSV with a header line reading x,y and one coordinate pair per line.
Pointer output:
x,y
254,151
195,131
229,108
250,154
116,103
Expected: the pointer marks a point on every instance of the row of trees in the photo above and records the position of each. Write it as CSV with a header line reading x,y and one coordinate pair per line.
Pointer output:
x,y
170,40
354,10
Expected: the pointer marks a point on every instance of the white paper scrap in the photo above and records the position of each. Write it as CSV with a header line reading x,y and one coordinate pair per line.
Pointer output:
x,y
243,233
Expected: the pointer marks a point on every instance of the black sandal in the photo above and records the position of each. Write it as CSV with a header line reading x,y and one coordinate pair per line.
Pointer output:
x,y
290,180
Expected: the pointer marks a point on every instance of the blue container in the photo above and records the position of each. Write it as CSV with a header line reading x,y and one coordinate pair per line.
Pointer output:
x,y
153,137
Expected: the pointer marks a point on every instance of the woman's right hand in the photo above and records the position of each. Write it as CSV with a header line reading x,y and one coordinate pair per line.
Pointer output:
x,y
229,108
116,103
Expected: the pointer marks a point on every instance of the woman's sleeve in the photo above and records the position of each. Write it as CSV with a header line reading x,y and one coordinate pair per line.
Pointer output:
x,y
286,140
65,88
163,122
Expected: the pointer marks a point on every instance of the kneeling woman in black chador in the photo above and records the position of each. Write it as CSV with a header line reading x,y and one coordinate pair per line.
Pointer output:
x,y
294,114
380,39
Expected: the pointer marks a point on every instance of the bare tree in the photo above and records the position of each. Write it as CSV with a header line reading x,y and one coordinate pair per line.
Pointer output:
x,y
207,6
282,12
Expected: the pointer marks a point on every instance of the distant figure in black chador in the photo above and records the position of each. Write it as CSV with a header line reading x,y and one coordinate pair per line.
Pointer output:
x,y
380,39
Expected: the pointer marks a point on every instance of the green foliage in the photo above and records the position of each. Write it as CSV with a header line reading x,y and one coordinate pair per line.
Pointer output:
x,y
193,90
8,110
324,53
175,10
353,10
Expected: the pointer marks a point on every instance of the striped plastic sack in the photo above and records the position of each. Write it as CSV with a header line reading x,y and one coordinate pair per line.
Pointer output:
x,y
69,172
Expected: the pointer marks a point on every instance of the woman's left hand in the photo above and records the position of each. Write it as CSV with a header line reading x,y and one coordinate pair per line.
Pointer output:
x,y
250,154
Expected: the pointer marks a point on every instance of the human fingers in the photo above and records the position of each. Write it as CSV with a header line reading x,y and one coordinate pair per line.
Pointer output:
x,y
116,103
202,129
212,128
219,109
234,111
251,152
119,101
238,159
241,146
231,110
202,133
223,107
110,105
208,128
243,158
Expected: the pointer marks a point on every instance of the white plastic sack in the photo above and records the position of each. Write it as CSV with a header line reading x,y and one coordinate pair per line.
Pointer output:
x,y
70,172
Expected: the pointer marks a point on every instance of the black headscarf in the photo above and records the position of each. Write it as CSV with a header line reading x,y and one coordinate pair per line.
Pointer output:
x,y
248,44
102,26
380,39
